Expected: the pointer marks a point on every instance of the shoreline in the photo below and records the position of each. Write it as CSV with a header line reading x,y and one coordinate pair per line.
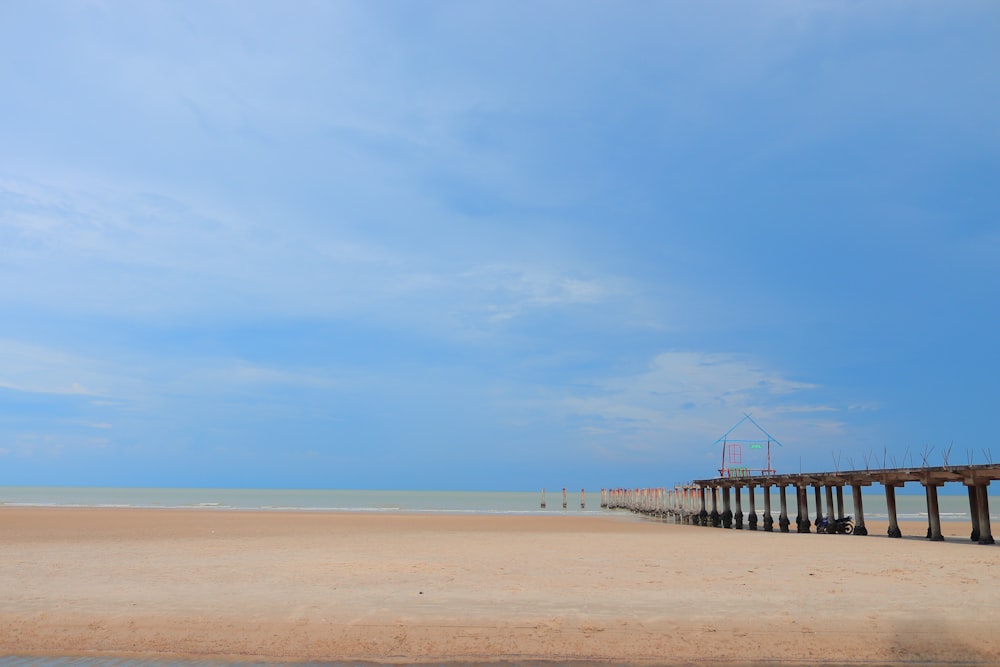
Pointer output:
x,y
417,588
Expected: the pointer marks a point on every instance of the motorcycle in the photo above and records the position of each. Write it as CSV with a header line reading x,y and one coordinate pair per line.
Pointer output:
x,y
844,526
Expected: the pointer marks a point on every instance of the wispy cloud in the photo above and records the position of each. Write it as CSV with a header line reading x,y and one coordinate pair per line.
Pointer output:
x,y
37,369
686,399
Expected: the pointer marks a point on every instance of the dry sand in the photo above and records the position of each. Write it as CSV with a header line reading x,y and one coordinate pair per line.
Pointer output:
x,y
414,588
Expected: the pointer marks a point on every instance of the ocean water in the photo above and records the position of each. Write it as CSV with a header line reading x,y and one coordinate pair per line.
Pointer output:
x,y
308,500
910,506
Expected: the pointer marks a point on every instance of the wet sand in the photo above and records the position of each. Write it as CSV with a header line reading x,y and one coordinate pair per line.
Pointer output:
x,y
432,588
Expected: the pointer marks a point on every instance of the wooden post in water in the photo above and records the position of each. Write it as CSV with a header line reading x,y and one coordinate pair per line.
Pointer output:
x,y
727,512
543,497
840,502
752,514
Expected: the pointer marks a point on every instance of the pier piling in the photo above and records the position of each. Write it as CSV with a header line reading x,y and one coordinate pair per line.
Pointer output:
x,y
783,516
933,514
985,532
859,527
890,504
768,519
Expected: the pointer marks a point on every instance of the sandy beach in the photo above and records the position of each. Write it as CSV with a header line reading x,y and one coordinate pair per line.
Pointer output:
x,y
398,588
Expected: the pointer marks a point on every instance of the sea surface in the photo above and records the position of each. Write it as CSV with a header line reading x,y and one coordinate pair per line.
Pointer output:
x,y
909,506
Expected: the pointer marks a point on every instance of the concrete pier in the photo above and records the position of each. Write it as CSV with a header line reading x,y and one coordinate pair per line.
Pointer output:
x,y
727,512
859,511
973,511
783,515
738,514
689,503
975,477
985,533
933,513
768,518
715,517
890,505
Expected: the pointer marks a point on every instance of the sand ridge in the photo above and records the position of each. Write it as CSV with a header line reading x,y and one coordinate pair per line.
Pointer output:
x,y
431,587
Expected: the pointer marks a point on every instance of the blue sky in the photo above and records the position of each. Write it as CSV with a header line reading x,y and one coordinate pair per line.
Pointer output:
x,y
492,245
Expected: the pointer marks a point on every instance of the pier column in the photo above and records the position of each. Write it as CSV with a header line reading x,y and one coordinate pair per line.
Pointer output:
x,y
783,516
738,516
715,517
727,512
985,532
829,507
819,505
933,514
890,505
859,511
973,510
703,515
805,525
768,519
752,514
840,502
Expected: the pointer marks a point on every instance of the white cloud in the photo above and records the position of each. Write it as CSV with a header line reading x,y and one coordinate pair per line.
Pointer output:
x,y
691,397
38,369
